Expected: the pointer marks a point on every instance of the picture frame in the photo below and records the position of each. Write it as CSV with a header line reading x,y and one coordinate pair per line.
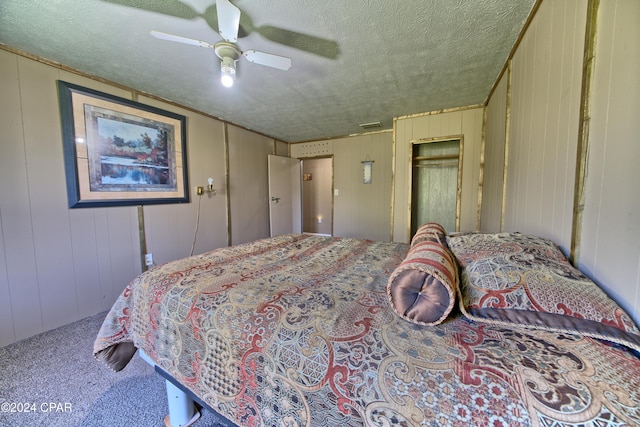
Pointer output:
x,y
119,152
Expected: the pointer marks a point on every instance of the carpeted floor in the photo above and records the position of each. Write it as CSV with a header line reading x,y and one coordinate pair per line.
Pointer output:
x,y
52,380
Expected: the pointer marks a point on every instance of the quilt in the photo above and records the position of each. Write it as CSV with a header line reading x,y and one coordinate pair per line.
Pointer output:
x,y
297,330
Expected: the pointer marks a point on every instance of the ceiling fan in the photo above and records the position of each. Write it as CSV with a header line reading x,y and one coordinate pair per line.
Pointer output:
x,y
227,51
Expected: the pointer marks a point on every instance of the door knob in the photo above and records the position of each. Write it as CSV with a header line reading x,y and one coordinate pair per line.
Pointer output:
x,y
275,199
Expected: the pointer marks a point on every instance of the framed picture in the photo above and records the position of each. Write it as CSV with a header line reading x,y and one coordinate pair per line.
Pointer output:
x,y
119,152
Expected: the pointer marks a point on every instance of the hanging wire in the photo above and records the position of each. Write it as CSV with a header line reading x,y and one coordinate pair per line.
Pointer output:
x,y
195,232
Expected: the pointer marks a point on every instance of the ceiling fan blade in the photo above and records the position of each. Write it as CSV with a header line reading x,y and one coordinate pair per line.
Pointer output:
x,y
174,8
305,42
267,59
179,39
228,20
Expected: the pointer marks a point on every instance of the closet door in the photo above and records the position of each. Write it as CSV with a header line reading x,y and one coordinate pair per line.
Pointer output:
x,y
435,183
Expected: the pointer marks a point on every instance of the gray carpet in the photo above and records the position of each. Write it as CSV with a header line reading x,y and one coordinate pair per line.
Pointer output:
x,y
55,377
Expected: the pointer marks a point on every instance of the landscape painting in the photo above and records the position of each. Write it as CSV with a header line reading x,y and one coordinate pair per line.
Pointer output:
x,y
120,152
128,154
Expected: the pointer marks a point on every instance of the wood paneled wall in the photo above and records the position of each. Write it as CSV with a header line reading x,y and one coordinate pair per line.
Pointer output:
x,y
544,111
58,265
248,184
359,210
363,210
610,232
494,157
543,117
467,123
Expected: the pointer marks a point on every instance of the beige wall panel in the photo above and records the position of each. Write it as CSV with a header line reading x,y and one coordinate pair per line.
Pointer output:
x,y
546,83
47,193
471,125
465,122
6,318
401,180
610,239
10,123
170,229
18,284
282,149
91,298
362,210
494,158
124,247
248,184
87,82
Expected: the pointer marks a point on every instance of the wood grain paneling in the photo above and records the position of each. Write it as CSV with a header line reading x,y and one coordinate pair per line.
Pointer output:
x,y
19,283
610,238
248,185
58,265
362,210
493,169
546,81
171,229
464,122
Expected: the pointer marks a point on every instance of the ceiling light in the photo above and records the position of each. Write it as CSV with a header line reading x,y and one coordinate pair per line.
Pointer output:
x,y
228,71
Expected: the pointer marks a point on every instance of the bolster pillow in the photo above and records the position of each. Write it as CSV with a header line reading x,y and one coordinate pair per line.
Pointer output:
x,y
422,288
429,232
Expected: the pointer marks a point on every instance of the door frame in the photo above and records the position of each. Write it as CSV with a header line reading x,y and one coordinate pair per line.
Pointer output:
x,y
418,141
326,156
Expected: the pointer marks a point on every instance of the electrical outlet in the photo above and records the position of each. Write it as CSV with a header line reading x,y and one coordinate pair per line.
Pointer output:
x,y
148,259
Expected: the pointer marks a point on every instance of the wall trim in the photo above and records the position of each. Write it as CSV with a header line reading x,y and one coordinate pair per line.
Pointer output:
x,y
227,173
483,141
525,28
444,110
583,128
507,130
393,178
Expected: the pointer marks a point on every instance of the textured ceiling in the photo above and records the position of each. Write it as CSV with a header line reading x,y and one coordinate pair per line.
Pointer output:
x,y
353,61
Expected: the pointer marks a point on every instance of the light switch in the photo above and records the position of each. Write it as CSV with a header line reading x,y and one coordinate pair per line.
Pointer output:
x,y
336,192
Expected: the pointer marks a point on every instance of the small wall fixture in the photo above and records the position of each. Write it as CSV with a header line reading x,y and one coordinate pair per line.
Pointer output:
x,y
209,189
367,165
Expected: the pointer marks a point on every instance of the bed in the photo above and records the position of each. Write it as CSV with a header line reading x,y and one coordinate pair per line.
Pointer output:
x,y
304,330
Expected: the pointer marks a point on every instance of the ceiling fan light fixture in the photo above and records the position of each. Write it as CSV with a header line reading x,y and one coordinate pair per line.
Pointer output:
x,y
227,71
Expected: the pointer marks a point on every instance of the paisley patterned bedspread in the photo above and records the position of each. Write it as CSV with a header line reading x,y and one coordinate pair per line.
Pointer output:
x,y
298,330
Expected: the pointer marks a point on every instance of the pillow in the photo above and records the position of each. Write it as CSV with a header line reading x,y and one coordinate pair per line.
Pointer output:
x,y
430,231
422,288
512,278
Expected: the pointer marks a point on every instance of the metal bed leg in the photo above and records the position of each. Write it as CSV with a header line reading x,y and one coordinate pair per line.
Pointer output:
x,y
182,409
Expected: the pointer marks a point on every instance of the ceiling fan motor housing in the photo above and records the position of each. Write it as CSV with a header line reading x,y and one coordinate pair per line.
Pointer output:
x,y
227,52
